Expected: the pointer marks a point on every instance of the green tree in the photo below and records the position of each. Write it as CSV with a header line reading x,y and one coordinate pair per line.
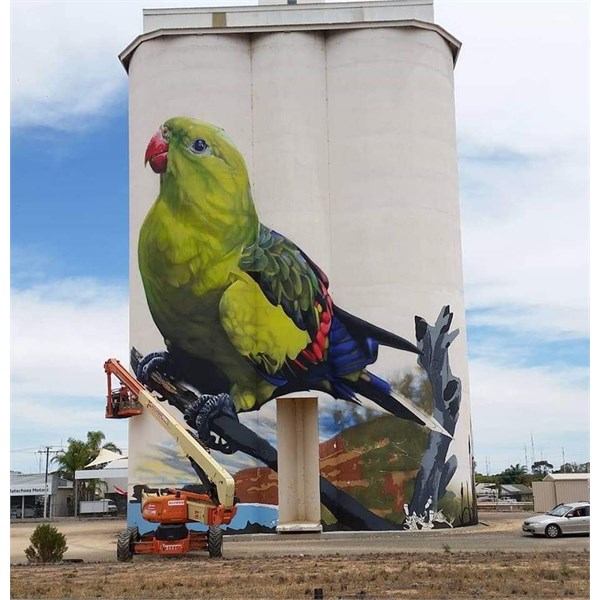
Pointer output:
x,y
514,474
574,468
415,385
541,467
79,454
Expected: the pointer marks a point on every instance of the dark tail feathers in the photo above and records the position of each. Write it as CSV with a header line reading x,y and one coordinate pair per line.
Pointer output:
x,y
360,329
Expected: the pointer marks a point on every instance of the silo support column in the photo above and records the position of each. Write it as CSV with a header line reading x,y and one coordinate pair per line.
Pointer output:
x,y
298,460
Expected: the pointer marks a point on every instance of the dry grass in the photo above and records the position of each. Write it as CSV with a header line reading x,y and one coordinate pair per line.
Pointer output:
x,y
449,575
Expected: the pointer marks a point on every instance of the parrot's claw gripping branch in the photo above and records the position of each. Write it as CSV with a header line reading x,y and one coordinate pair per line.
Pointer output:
x,y
200,414
148,364
155,370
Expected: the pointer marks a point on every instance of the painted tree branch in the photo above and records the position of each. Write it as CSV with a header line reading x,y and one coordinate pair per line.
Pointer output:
x,y
436,470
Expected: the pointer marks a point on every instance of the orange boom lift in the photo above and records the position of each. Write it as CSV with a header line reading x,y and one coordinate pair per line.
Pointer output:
x,y
177,507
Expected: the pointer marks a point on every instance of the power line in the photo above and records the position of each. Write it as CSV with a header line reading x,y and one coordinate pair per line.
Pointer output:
x,y
47,450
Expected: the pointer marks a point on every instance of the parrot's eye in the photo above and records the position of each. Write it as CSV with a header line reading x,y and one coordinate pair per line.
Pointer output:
x,y
199,146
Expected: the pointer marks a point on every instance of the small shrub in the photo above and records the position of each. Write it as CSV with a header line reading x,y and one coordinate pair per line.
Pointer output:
x,y
48,545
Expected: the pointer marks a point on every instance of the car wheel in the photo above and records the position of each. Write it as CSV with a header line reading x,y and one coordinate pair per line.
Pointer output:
x,y
553,531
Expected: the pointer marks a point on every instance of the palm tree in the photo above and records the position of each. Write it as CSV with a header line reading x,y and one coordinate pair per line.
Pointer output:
x,y
94,443
77,456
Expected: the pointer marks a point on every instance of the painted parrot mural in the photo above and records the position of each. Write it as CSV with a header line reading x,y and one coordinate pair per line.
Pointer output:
x,y
223,287
247,317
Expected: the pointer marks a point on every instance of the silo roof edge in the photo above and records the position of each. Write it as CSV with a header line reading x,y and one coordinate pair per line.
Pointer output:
x,y
127,53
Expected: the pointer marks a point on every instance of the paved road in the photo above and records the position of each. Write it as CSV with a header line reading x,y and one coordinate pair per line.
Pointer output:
x,y
481,538
95,541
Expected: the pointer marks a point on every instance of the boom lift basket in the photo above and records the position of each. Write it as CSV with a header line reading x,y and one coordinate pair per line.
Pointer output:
x,y
122,404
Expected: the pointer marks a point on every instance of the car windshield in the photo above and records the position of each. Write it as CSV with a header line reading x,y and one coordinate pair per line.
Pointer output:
x,y
560,511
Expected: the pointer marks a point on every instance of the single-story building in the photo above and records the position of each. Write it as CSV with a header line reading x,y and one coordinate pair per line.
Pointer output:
x,y
30,491
516,491
111,468
486,492
559,488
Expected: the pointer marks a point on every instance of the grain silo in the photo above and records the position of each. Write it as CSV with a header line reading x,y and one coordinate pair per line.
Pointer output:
x,y
344,116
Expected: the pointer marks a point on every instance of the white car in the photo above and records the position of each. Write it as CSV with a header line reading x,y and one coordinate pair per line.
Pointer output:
x,y
573,517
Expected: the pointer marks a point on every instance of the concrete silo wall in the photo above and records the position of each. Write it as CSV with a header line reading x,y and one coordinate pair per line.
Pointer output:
x,y
349,141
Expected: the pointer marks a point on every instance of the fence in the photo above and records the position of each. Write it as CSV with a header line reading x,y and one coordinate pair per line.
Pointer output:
x,y
504,506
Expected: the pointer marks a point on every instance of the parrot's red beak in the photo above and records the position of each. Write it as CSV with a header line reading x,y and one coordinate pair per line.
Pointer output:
x,y
156,153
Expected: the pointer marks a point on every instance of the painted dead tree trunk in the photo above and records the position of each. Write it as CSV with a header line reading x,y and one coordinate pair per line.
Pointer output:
x,y
436,470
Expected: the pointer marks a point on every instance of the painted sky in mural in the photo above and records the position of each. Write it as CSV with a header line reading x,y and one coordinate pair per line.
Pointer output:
x,y
524,181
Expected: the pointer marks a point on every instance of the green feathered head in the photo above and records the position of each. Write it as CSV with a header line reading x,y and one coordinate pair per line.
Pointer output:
x,y
197,161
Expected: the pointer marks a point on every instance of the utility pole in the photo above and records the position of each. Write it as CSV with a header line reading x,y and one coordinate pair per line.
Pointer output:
x,y
526,463
47,451
563,455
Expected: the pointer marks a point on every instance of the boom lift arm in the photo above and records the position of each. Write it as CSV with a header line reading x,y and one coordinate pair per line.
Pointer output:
x,y
132,398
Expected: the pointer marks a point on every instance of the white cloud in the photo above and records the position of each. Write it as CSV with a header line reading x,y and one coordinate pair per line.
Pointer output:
x,y
64,57
61,334
522,73
510,404
526,245
523,128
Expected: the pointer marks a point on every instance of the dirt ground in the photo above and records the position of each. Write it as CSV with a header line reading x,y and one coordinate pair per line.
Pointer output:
x,y
492,560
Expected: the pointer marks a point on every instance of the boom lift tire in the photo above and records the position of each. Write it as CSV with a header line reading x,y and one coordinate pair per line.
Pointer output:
x,y
215,541
125,543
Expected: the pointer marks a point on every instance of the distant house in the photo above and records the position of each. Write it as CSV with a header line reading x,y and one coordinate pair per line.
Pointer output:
x,y
486,492
516,491
558,488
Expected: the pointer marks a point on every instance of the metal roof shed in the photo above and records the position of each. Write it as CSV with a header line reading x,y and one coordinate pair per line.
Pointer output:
x,y
557,488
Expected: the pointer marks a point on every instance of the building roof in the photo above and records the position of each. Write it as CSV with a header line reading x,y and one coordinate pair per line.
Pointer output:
x,y
104,457
516,488
165,22
484,485
523,488
566,476
17,478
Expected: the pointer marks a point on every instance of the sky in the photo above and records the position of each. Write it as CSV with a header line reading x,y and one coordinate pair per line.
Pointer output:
x,y
522,111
